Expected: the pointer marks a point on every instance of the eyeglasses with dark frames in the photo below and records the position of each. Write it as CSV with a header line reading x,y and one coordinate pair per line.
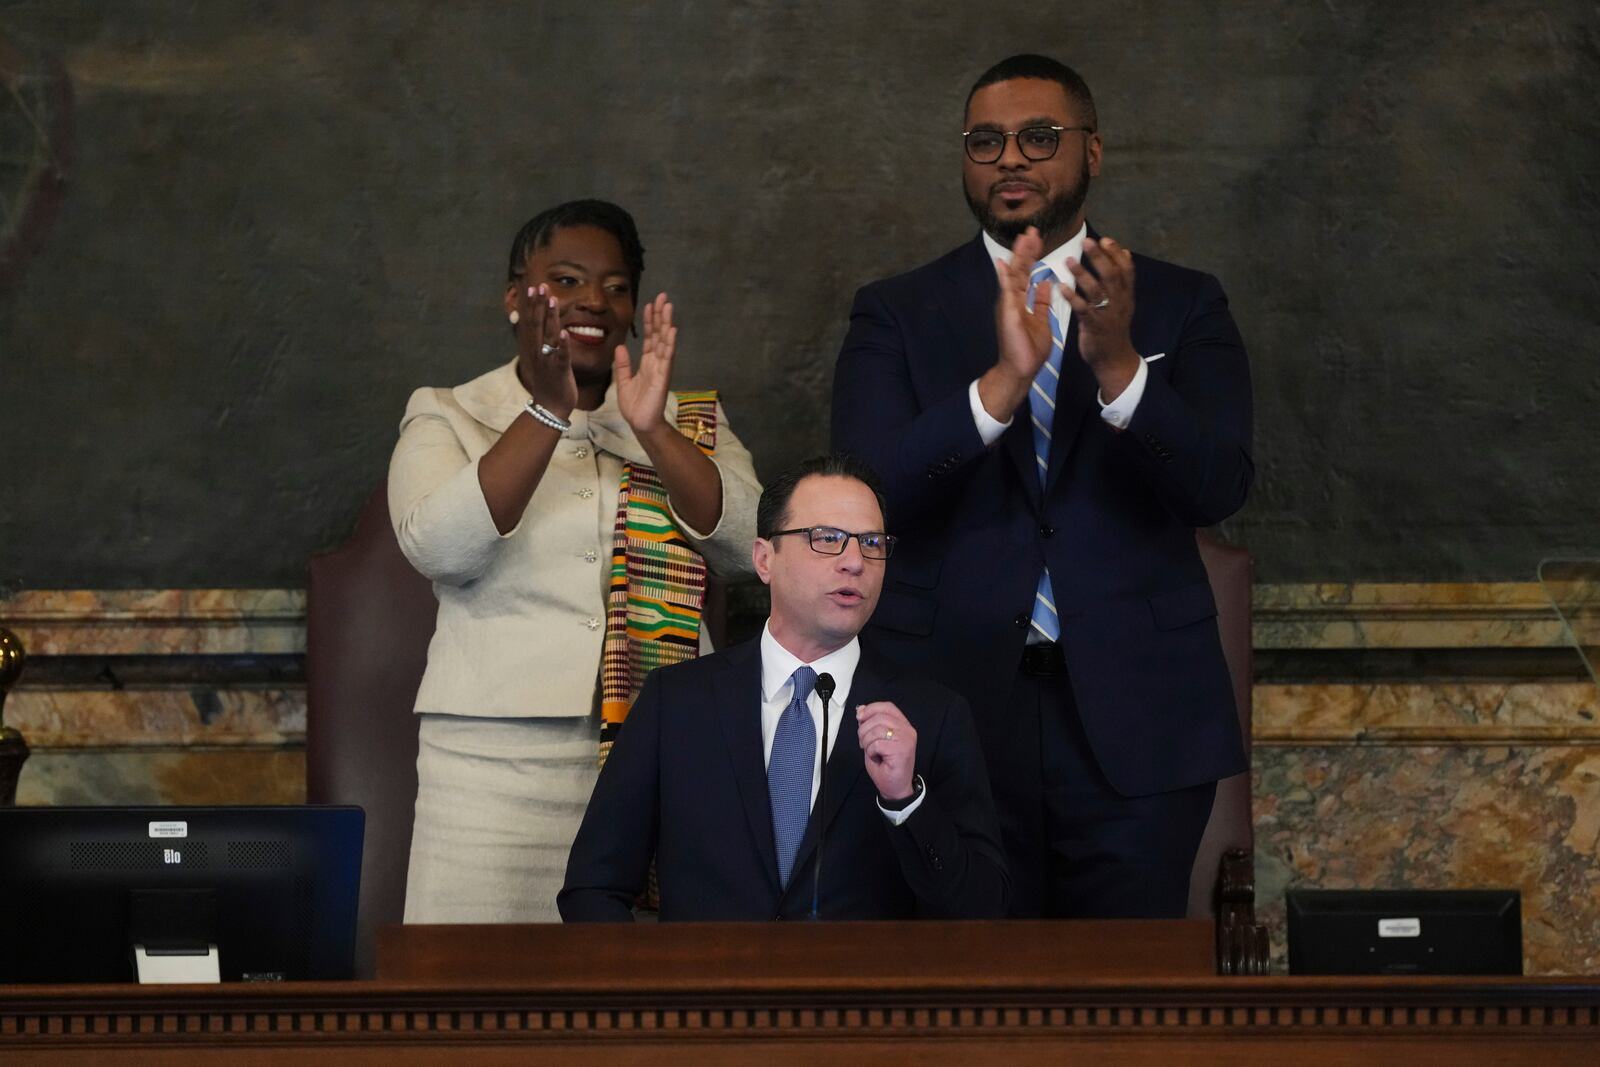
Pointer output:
x,y
1036,143
831,541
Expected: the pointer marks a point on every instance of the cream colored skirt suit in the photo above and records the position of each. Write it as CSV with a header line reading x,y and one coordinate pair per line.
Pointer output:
x,y
510,696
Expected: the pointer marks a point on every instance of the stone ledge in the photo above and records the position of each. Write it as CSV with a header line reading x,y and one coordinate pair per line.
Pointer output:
x,y
78,622
1535,713
1333,615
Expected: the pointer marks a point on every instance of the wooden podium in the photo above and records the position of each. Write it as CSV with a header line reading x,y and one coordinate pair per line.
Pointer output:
x,y
779,993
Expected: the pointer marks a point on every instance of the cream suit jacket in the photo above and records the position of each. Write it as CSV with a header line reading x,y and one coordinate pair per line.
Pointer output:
x,y
522,615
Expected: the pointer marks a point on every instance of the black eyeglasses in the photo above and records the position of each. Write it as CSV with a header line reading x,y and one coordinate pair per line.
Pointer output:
x,y
830,541
1037,143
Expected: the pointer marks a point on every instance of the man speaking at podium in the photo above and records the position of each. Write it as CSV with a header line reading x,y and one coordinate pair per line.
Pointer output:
x,y
717,773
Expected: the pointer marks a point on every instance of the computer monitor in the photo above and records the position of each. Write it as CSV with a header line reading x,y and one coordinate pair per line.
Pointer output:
x,y
273,889
1405,931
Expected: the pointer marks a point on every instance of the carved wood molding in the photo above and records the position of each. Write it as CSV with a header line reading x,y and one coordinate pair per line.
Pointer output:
x,y
1324,1009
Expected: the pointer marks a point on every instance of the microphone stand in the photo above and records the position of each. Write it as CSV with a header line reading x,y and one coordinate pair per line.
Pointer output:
x,y
824,688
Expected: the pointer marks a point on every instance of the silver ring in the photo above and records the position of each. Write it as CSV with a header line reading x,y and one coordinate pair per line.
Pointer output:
x,y
549,350
1104,303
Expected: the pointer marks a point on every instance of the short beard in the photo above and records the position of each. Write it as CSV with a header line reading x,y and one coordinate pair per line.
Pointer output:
x,y
1058,212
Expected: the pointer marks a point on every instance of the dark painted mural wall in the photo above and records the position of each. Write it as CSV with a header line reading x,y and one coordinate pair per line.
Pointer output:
x,y
280,218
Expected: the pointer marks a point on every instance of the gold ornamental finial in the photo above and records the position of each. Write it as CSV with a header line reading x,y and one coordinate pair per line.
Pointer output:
x,y
12,656
13,746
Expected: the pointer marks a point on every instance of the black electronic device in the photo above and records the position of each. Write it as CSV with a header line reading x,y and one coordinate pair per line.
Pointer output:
x,y
179,893
1405,931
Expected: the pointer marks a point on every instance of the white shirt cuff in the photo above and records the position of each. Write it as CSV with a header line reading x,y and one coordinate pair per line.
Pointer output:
x,y
1120,411
989,429
897,817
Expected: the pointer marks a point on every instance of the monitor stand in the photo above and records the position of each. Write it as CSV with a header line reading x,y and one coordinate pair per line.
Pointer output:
x,y
166,966
174,935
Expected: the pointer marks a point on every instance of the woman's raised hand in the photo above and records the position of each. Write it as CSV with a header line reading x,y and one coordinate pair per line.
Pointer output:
x,y
642,393
542,351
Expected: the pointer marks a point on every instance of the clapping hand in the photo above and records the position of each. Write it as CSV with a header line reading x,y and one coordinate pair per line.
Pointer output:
x,y
1103,305
1023,334
542,356
642,393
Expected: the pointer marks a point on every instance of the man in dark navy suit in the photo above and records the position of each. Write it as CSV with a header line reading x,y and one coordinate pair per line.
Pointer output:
x,y
1053,415
718,771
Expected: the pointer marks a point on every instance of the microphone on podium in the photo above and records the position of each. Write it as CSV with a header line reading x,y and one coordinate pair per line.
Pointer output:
x,y
824,688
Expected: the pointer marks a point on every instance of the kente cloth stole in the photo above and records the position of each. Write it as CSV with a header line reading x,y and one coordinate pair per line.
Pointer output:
x,y
658,583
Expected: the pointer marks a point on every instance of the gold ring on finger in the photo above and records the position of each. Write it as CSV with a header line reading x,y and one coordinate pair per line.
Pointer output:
x,y
888,735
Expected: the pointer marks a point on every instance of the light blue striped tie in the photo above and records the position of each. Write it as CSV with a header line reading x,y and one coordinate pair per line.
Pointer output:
x,y
789,772
1042,408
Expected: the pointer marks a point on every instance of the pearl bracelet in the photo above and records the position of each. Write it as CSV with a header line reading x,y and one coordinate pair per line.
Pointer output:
x,y
546,416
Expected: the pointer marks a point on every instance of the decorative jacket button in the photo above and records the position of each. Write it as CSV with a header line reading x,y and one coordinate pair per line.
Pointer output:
x,y
593,624
580,453
1021,621
586,492
1047,531
590,556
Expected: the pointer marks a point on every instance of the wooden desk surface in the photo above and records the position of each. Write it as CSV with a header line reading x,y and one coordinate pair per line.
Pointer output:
x,y
782,956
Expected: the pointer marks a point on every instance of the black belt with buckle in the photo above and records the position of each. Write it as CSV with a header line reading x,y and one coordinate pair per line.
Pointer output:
x,y
1043,659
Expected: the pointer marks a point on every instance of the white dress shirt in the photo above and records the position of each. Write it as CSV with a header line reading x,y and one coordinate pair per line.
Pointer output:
x,y
1120,411
778,665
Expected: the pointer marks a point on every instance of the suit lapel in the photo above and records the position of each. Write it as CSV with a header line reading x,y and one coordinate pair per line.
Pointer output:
x,y
1018,443
968,305
737,691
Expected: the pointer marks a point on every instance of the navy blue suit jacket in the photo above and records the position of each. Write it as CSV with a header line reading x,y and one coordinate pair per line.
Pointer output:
x,y
687,784
1115,519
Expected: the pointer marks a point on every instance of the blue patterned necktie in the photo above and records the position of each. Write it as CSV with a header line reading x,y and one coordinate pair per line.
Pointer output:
x,y
1042,408
789,772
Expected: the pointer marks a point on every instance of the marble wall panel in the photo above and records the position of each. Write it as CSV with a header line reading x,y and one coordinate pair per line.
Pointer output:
x,y
75,718
164,776
191,742
1426,816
